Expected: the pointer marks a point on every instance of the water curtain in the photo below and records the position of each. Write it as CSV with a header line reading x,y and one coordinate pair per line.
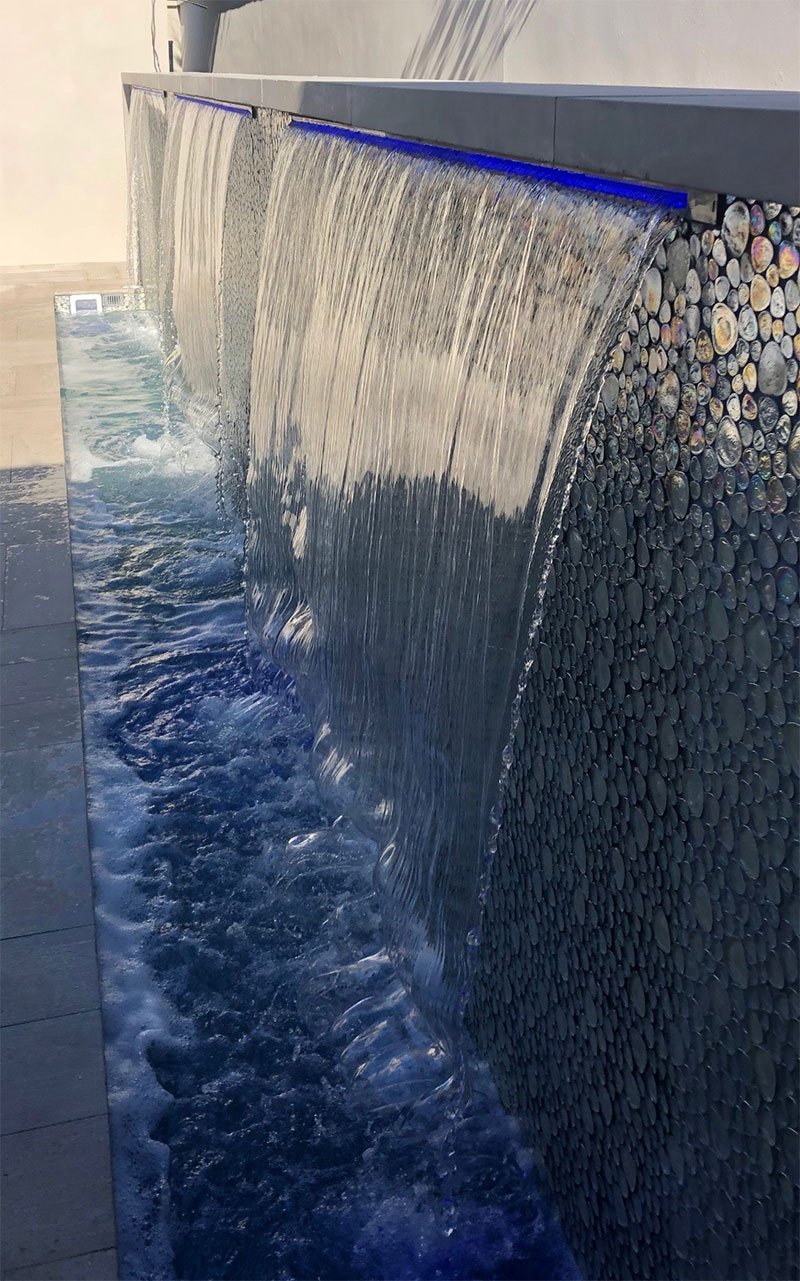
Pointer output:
x,y
428,337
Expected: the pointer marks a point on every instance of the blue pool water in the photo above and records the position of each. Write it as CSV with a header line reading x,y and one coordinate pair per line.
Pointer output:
x,y
278,1108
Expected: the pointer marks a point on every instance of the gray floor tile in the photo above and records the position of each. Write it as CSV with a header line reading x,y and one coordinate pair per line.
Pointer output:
x,y
38,585
45,877
101,1266
40,723
34,523
48,975
56,1186
44,853
52,1071
33,506
40,784
35,644
36,682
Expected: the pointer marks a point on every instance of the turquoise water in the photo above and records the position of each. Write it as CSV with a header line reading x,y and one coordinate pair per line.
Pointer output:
x,y
279,1109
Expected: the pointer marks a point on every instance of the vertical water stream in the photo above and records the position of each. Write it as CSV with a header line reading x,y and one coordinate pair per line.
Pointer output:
x,y
428,336
146,137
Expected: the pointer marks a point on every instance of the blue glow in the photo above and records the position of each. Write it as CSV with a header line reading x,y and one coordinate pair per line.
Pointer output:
x,y
220,106
662,196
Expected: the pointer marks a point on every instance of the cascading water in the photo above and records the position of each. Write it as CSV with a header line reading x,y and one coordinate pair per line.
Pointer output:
x,y
257,142
428,336
426,340
147,126
217,174
200,145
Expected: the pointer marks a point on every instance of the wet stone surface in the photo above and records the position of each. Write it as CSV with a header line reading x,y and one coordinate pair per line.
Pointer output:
x,y
636,985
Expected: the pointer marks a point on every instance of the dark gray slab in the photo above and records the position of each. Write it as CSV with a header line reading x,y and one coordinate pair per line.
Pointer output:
x,y
51,1071
38,585
100,1266
34,506
698,143
517,124
39,723
45,879
41,784
744,142
56,1185
48,678
48,975
35,644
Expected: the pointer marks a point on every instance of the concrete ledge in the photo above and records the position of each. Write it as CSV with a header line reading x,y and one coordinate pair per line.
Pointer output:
x,y
745,143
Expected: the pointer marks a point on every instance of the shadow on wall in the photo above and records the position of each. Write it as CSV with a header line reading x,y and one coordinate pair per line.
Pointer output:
x,y
467,40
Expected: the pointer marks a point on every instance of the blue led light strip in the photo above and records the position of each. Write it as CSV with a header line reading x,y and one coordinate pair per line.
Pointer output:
x,y
220,106
662,196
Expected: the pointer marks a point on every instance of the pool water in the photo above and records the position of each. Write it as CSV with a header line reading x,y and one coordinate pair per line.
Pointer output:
x,y
278,1108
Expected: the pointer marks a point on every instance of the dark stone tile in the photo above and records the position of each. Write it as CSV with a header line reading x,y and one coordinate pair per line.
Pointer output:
x,y
657,140
52,1070
503,120
41,784
34,506
56,1185
36,644
48,975
40,723
45,878
50,678
38,585
100,1266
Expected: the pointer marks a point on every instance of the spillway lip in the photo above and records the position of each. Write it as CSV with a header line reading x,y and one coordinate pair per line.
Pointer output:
x,y
212,102
664,197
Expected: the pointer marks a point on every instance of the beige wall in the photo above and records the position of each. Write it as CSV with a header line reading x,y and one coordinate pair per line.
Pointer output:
x,y
718,44
694,44
62,144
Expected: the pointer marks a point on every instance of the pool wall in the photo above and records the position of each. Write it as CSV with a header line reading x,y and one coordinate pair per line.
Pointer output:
x,y
635,986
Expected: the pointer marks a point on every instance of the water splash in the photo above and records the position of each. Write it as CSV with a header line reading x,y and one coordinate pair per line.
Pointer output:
x,y
428,343
278,1106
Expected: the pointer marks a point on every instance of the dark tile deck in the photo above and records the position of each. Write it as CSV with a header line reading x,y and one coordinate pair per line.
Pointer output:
x,y
56,1204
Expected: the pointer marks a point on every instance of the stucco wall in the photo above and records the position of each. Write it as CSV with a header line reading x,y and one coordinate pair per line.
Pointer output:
x,y
627,42
62,146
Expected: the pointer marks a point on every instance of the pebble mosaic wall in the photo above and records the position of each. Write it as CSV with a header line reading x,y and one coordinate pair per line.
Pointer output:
x,y
636,984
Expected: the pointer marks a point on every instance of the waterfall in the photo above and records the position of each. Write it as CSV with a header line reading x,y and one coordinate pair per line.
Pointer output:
x,y
217,173
200,143
257,142
428,343
147,124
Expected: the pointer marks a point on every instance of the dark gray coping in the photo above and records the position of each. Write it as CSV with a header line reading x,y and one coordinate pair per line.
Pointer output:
x,y
742,142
